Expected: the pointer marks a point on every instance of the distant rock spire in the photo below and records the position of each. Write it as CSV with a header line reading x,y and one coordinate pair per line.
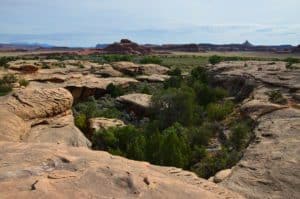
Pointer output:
x,y
247,43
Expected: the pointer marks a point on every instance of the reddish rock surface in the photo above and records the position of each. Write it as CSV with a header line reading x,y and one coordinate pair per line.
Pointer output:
x,y
127,47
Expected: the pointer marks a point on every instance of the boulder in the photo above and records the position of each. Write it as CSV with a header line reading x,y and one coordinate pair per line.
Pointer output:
x,y
99,123
153,78
136,99
128,68
151,69
55,171
40,115
222,175
106,70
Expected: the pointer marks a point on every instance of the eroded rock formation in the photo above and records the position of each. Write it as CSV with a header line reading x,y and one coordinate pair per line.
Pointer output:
x,y
270,167
40,115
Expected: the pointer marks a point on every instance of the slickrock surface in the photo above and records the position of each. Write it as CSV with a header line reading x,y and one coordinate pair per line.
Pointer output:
x,y
57,171
270,167
137,99
40,115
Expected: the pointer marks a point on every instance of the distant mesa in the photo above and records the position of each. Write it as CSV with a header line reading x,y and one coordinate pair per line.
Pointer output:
x,y
180,47
297,49
125,46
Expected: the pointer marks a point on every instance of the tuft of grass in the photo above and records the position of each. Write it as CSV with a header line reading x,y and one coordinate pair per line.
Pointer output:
x,y
215,59
23,82
276,97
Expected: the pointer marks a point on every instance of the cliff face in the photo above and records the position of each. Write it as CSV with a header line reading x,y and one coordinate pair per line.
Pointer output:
x,y
270,167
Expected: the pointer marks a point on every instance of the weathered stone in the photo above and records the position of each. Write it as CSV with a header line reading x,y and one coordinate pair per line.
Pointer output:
x,y
99,123
55,171
222,175
137,99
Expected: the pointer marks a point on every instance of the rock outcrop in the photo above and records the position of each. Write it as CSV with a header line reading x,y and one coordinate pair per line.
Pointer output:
x,y
127,47
40,115
221,175
136,99
99,123
130,68
56,171
153,78
270,166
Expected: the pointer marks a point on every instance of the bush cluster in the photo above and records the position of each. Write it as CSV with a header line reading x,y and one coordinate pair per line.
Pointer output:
x,y
186,113
151,60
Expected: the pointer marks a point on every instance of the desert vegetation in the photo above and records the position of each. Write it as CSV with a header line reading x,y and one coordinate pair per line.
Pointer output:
x,y
185,115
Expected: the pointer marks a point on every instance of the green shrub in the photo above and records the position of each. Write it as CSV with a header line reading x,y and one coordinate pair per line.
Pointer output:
x,y
114,90
9,79
210,165
220,93
174,105
198,74
151,60
215,59
6,84
175,72
127,141
116,58
173,82
5,89
81,122
200,136
275,96
23,82
218,111
174,149
239,134
4,61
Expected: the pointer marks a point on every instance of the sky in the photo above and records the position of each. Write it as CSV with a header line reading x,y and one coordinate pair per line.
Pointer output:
x,y
88,22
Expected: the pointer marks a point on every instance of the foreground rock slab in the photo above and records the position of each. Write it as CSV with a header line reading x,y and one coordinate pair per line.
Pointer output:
x,y
57,171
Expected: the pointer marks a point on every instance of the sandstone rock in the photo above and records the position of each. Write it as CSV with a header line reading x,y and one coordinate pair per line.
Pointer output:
x,y
106,70
40,115
137,99
39,103
96,124
151,69
25,68
222,175
127,68
153,78
135,69
269,167
257,108
56,171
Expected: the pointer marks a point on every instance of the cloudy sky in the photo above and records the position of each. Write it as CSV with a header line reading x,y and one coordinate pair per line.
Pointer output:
x,y
87,22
